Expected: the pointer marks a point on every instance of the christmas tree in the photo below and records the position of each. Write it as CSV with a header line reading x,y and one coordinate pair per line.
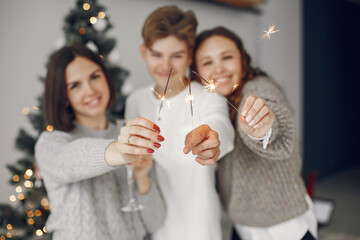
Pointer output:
x,y
25,218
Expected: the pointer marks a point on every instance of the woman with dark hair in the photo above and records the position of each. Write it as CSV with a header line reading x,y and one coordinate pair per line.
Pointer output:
x,y
259,181
83,160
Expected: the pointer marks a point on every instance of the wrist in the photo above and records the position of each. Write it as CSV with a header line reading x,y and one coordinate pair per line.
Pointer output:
x,y
143,184
112,156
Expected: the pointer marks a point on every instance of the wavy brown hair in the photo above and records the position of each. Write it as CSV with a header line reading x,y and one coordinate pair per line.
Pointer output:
x,y
248,72
57,111
170,21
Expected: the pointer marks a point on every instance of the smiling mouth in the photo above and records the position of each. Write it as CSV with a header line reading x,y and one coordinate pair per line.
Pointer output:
x,y
93,102
222,80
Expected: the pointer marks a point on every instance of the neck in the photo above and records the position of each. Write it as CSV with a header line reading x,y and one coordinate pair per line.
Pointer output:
x,y
172,90
98,123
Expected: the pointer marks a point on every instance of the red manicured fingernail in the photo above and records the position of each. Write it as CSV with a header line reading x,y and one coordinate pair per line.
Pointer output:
x,y
157,145
156,127
160,138
150,150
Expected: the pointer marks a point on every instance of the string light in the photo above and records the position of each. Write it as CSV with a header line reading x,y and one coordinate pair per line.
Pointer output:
x,y
38,213
16,178
44,230
9,226
28,184
12,198
39,232
101,14
93,20
49,128
21,196
82,31
86,6
9,235
25,111
36,108
29,172
44,202
18,189
30,214
2,237
30,221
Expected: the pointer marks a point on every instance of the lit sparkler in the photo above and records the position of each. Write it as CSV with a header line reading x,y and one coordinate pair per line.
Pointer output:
x,y
163,96
212,88
190,98
267,33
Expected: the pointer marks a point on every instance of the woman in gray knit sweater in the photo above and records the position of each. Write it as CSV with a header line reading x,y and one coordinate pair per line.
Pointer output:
x,y
81,161
259,182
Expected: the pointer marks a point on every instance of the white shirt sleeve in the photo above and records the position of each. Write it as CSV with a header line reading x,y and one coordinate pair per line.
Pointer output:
x,y
264,139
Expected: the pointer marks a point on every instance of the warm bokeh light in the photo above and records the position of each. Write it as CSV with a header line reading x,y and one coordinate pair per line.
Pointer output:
x,y
82,31
9,235
18,189
30,214
101,14
44,202
29,172
86,6
9,226
16,178
44,230
21,196
12,198
49,128
38,213
93,20
2,237
30,221
36,108
25,111
39,232
28,184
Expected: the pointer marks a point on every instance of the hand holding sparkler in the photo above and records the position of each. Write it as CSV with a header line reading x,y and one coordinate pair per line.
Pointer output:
x,y
256,117
203,142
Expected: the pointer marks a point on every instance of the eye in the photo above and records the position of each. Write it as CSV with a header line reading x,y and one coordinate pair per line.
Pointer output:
x,y
206,63
73,86
155,54
94,77
227,57
178,56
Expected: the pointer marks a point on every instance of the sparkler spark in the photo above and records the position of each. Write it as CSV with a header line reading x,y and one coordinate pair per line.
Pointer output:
x,y
191,99
268,32
212,86
163,96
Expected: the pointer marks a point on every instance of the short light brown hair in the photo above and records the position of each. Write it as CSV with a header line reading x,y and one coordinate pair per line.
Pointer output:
x,y
170,21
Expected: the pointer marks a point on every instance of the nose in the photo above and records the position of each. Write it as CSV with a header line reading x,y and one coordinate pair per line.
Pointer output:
x,y
219,68
89,89
166,64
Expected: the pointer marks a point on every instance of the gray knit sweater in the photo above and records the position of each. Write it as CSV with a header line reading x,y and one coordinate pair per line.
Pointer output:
x,y
86,194
263,187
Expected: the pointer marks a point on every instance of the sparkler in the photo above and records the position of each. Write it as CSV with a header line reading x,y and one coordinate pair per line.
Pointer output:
x,y
268,32
191,99
163,96
212,88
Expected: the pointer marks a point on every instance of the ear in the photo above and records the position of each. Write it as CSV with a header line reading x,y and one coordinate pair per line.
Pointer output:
x,y
143,49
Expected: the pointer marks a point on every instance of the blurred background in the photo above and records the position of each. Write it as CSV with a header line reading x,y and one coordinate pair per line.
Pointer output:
x,y
314,57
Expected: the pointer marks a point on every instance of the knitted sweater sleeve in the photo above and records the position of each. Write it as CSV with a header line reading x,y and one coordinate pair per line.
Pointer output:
x,y
63,160
282,140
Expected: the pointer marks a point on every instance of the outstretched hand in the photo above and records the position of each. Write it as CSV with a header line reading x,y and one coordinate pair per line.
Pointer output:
x,y
203,142
256,117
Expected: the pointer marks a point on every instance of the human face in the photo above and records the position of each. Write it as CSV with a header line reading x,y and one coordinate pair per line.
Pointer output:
x,y
218,58
87,91
166,53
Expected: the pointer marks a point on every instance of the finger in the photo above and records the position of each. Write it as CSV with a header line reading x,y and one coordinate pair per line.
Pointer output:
x,y
265,120
208,153
140,121
142,132
258,104
210,161
139,141
133,150
211,141
263,111
247,105
195,137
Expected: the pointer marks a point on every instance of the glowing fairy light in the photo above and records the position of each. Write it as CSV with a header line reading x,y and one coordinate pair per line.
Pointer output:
x,y
39,232
86,6
36,108
49,128
267,33
29,172
211,86
25,111
101,14
93,20
12,198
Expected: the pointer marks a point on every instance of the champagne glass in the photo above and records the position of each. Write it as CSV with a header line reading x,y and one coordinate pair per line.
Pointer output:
x,y
132,205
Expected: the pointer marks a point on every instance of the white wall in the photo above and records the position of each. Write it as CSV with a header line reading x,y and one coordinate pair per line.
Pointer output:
x,y
30,29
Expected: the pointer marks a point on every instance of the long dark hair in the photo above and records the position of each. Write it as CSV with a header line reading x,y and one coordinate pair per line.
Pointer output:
x,y
248,72
57,111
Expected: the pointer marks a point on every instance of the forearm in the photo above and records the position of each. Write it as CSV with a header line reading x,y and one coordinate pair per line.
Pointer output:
x,y
143,184
112,156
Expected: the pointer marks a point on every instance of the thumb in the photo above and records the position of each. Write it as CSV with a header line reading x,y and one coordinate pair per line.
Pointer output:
x,y
195,137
